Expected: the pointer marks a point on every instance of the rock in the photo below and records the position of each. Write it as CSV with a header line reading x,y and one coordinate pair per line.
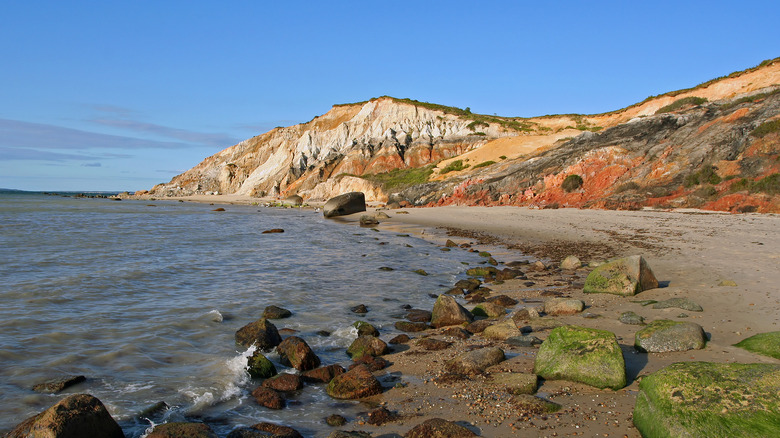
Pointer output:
x,y
447,311
335,420
439,428
360,308
631,318
626,276
508,274
246,432
468,285
295,352
274,312
523,341
502,300
218,209
538,266
261,333
489,310
450,244
563,306
293,200
728,283
478,326
365,329
380,416
456,332
701,399
368,221
382,215
323,374
367,345
268,398
515,383
543,323
180,430
767,344
277,430
482,271
284,382
57,385
355,383
349,434
431,344
525,314
386,268
665,335
259,367
348,203
584,355
418,315
475,361
75,416
273,231
527,405
502,330
400,339
410,327
421,272
571,262
373,363
679,303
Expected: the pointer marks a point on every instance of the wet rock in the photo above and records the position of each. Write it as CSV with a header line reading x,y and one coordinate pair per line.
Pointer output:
x,y
380,416
584,355
348,203
293,200
218,209
665,335
259,367
456,332
365,329
355,383
75,416
273,231
277,430
410,327
502,300
542,323
246,432
450,244
478,326
275,312
447,311
538,266
563,306
349,434
268,398
525,314
502,330
515,383
631,318
284,382
767,344
508,274
701,399
523,341
367,345
421,272
475,361
323,374
527,405
335,420
626,276
418,315
386,268
489,310
180,430
360,308
439,428
295,352
58,385
431,344
468,285
381,215
482,271
373,363
571,262
679,303
400,339
368,221
261,333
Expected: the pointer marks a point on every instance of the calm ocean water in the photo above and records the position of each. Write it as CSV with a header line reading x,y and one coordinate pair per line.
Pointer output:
x,y
145,300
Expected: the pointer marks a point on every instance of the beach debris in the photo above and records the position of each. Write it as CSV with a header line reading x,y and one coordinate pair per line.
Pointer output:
x,y
679,303
625,276
365,329
400,339
57,385
410,327
767,344
523,341
360,308
355,383
475,361
273,231
368,221
261,333
440,428
502,330
489,310
293,200
335,420
710,399
563,306
268,398
78,414
275,312
296,353
584,355
502,300
323,374
348,203
431,344
515,383
631,318
367,345
259,366
665,335
418,315
728,283
571,263
284,382
170,430
447,311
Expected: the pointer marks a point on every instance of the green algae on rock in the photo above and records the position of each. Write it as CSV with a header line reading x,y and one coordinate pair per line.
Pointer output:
x,y
702,399
260,367
584,355
767,344
665,335
625,276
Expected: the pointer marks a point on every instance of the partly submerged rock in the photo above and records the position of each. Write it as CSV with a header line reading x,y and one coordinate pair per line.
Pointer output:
x,y
767,344
268,397
475,361
180,430
284,382
367,346
57,385
584,355
348,203
665,335
447,311
277,430
293,200
323,374
355,383
75,416
626,276
439,428
410,327
365,328
276,312
702,399
261,333
259,366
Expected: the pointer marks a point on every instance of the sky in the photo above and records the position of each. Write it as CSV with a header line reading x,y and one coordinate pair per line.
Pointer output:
x,y
123,95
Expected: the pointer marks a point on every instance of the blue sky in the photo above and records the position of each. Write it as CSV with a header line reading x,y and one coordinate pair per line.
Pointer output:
x,y
122,95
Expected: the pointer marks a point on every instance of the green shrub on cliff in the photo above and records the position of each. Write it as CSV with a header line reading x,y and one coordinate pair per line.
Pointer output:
x,y
571,183
677,104
398,179
769,185
483,164
766,128
455,166
706,175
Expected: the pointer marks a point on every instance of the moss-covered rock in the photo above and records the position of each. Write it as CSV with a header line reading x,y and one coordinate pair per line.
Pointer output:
x,y
585,355
260,367
625,276
485,271
489,310
702,399
767,344
665,335
447,311
365,329
367,346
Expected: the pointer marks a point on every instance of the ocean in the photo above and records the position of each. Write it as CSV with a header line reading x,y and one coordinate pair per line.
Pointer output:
x,y
144,299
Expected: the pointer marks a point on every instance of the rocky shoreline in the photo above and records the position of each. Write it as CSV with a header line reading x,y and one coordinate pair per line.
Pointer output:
x,y
475,369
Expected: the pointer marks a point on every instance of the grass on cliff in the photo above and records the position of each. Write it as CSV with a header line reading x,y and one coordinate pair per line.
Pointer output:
x,y
769,185
680,103
706,175
399,179
455,166
766,128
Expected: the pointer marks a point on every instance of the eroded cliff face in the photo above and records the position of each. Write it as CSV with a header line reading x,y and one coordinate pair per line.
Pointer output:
x,y
374,137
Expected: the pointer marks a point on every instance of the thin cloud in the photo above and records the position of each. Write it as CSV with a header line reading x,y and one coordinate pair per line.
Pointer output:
x,y
91,165
113,109
16,154
204,138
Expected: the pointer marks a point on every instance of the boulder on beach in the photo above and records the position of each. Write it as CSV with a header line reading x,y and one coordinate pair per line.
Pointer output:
x,y
665,335
259,367
323,374
180,430
527,404
410,327
293,200
431,344
515,383
418,315
625,276
631,318
702,399
563,306
355,383
348,203
75,416
57,385
276,312
367,346
261,333
447,311
468,285
295,352
767,344
584,355
439,428
502,330
475,361
502,300
489,310
365,329
571,262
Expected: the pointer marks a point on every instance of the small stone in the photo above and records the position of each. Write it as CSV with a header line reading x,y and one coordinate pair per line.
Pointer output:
x,y
439,428
665,335
323,374
631,318
296,353
502,300
380,416
563,306
431,344
386,268
475,361
571,262
728,283
365,329
336,420
368,221
400,339
527,404
456,332
277,430
410,327
418,315
680,303
373,363
367,345
515,383
360,308
489,310
177,430
355,383
420,272
261,333
450,244
259,367
523,341
273,231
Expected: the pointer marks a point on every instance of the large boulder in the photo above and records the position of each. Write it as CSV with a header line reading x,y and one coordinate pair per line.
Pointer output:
x,y
323,374
355,383
295,352
447,311
439,428
563,306
348,203
259,367
475,361
767,344
180,430
75,416
268,398
489,310
367,346
701,399
626,276
665,335
284,382
584,355
261,333
502,331
293,200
